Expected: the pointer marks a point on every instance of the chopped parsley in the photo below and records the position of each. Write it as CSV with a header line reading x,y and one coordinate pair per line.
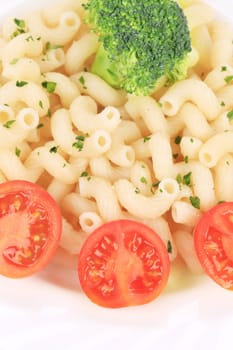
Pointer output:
x,y
41,104
39,126
21,83
49,46
14,61
185,180
178,140
53,149
223,68
21,27
146,138
9,123
230,115
84,174
195,201
143,180
137,191
169,246
20,23
29,38
79,142
186,159
228,79
222,104
154,185
82,81
17,152
50,86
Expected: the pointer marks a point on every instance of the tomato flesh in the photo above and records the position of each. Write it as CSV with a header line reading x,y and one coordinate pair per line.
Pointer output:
x,y
123,263
30,228
213,238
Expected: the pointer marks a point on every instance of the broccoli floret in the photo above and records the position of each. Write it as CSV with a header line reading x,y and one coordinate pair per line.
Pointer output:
x,y
141,42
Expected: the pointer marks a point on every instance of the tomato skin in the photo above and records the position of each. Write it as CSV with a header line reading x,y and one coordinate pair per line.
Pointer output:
x,y
213,241
123,263
30,228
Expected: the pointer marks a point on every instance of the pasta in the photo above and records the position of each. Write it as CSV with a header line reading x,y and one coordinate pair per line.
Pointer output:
x,y
104,154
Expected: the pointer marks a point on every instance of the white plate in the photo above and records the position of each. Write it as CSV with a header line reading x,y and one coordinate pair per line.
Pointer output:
x,y
50,312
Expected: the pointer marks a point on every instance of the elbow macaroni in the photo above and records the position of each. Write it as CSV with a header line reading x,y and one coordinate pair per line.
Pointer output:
x,y
107,155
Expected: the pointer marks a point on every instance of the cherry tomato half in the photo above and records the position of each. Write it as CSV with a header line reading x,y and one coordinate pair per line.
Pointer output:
x,y
213,240
123,263
30,228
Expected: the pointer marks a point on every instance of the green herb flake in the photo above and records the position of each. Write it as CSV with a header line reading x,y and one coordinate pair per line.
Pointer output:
x,y
82,80
146,139
14,61
222,104
186,159
17,152
53,149
9,123
178,140
84,174
169,247
39,126
49,113
21,83
228,79
154,186
41,104
79,143
223,68
20,23
179,179
137,191
49,46
143,180
230,115
187,179
195,201
184,180
29,38
50,86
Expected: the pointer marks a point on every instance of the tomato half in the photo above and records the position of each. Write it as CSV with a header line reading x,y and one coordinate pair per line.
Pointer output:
x,y
213,240
30,228
123,263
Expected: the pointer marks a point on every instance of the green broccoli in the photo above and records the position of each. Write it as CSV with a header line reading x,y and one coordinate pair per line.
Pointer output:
x,y
141,42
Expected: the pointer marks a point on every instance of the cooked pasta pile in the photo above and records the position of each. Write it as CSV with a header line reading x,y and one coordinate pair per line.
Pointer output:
x,y
104,155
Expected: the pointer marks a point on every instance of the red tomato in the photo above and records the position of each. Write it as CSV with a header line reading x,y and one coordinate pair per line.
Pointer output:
x,y
30,228
213,239
123,263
